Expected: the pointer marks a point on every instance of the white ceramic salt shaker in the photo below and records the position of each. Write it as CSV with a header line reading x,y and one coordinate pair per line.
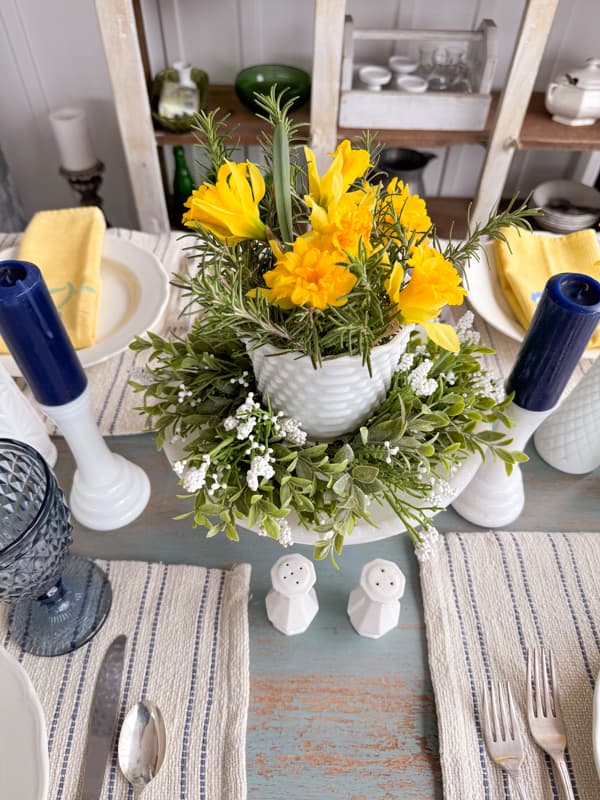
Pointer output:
x,y
374,606
292,602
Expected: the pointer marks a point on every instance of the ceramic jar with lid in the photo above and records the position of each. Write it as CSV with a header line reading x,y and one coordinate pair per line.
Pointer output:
x,y
574,97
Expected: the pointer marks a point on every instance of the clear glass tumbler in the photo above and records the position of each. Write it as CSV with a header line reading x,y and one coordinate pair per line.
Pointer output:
x,y
57,601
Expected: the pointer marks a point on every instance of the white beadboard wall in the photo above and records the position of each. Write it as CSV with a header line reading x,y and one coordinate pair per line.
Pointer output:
x,y
51,56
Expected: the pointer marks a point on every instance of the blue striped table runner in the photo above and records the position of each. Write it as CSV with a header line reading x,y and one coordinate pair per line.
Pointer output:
x,y
188,651
488,597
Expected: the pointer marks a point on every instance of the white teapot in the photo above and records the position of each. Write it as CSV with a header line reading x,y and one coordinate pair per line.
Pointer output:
x,y
574,97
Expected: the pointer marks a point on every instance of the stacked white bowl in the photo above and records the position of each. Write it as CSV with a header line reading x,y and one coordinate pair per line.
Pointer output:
x,y
566,205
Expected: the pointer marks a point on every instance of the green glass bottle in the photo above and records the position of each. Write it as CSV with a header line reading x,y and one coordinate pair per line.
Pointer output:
x,y
183,185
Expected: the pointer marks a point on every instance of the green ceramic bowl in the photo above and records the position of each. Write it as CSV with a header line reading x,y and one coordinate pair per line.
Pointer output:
x,y
262,77
181,124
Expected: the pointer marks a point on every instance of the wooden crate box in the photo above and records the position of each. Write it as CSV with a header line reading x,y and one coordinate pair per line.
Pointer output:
x,y
441,110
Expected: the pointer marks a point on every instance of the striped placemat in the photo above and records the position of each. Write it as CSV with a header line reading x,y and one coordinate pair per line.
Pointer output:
x,y
488,597
187,651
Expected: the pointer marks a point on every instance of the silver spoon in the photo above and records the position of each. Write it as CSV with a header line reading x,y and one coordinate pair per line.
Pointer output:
x,y
142,743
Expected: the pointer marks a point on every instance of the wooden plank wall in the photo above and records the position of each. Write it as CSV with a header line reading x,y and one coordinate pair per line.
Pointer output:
x,y
47,63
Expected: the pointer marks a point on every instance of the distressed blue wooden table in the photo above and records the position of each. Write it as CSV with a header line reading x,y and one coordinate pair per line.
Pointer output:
x,y
332,714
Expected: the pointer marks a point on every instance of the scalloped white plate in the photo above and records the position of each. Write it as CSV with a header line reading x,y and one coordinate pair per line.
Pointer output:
x,y
24,770
133,296
488,300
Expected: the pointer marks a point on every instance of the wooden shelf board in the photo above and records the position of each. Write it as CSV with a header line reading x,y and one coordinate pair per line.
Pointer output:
x,y
244,125
249,126
540,132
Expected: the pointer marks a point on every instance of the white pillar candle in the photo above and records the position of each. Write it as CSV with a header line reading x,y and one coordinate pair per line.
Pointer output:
x,y
73,139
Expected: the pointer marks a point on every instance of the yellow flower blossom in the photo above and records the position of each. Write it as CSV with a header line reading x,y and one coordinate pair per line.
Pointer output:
x,y
433,284
346,223
307,276
409,209
347,166
229,207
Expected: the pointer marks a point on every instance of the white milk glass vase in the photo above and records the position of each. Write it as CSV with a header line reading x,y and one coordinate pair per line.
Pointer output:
x,y
336,397
569,440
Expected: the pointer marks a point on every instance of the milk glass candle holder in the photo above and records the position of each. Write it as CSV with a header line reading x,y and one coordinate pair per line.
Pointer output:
x,y
57,602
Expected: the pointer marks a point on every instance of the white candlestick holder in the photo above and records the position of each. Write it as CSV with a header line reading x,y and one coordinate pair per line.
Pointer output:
x,y
108,491
374,606
292,602
493,498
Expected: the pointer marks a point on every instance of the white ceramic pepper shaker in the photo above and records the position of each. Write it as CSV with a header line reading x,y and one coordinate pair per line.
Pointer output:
x,y
292,602
374,606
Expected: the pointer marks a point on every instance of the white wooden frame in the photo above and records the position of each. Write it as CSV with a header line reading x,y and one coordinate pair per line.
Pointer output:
x,y
529,48
121,46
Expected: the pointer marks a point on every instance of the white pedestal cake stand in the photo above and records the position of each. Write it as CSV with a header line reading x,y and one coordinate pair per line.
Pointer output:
x,y
386,522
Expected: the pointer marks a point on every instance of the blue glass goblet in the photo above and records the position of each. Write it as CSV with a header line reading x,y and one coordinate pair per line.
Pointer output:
x,y
57,601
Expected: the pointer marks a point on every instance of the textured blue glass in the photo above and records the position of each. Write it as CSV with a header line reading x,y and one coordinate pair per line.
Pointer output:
x,y
58,601
565,319
36,337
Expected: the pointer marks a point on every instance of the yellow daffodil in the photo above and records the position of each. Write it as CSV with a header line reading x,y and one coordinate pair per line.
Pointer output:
x,y
307,276
409,209
347,166
229,207
433,284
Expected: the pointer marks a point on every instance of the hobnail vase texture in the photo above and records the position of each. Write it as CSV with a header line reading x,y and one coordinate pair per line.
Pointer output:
x,y
57,602
569,440
333,399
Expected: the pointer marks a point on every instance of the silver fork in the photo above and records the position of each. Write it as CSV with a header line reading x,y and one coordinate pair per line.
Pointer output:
x,y
544,714
501,733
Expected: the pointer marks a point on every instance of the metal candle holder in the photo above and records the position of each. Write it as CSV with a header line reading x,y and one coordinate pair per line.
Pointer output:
x,y
86,183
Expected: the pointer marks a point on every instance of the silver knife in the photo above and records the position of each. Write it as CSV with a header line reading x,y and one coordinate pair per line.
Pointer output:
x,y
103,716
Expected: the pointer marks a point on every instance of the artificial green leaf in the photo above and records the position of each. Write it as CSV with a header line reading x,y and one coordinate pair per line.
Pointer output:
x,y
365,473
343,485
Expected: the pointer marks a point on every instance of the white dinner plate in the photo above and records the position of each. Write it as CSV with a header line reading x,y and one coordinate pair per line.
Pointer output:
x,y
133,296
24,771
488,300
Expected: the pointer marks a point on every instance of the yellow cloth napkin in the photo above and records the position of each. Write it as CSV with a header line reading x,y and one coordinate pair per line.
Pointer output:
x,y
525,266
66,245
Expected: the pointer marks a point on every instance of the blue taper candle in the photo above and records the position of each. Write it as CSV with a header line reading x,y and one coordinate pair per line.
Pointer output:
x,y
565,319
36,337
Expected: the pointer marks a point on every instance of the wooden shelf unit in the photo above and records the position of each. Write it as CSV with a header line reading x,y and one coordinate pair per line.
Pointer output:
x,y
517,119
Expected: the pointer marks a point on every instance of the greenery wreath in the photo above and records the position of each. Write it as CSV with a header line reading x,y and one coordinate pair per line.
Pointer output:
x,y
245,465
